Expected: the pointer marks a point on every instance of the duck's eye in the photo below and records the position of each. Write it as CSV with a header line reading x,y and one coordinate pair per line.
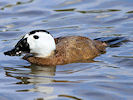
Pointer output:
x,y
36,37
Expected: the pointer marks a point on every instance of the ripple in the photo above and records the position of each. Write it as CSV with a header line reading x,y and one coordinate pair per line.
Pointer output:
x,y
109,76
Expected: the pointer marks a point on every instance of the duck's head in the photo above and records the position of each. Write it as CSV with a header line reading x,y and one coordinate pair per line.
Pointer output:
x,y
40,43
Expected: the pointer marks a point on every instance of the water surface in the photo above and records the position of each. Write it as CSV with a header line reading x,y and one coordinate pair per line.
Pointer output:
x,y
109,78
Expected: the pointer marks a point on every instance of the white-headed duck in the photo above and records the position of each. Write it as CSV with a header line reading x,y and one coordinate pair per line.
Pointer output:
x,y
50,51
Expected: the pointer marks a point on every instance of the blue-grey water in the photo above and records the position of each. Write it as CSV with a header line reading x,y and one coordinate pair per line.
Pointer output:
x,y
109,78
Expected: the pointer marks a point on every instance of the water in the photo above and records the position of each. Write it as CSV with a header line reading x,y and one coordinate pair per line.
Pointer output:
x,y
109,78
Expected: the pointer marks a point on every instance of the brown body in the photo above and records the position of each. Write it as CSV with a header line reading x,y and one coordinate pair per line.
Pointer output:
x,y
71,49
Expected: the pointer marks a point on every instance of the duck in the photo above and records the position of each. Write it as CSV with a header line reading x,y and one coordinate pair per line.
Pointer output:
x,y
42,48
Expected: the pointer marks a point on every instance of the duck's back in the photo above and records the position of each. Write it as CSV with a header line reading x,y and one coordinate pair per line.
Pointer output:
x,y
77,48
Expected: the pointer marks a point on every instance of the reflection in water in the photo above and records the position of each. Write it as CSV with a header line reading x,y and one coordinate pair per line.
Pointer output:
x,y
37,76
42,76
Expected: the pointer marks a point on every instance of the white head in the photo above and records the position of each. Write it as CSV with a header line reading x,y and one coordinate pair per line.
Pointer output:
x,y
38,42
41,43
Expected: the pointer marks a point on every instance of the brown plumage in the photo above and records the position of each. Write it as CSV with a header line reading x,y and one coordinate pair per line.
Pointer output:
x,y
71,49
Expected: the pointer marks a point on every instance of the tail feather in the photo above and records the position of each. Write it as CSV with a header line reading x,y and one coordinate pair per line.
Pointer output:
x,y
112,41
